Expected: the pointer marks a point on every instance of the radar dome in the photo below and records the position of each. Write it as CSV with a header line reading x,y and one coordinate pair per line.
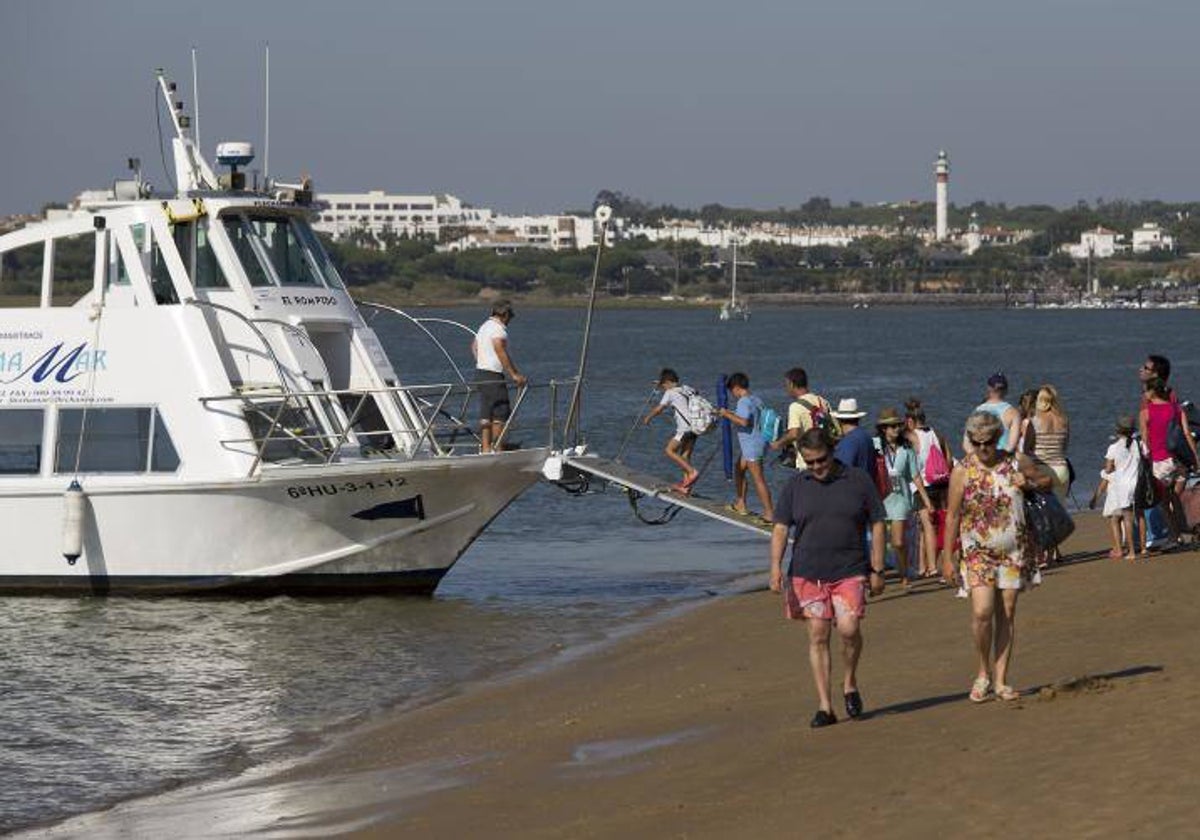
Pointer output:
x,y
235,153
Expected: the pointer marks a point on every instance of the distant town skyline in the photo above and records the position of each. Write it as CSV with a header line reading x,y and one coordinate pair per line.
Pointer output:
x,y
534,106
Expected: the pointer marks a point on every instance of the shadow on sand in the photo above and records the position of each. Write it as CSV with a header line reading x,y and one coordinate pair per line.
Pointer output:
x,y
1028,693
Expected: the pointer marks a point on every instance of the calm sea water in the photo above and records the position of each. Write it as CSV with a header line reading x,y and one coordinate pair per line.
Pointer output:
x,y
105,699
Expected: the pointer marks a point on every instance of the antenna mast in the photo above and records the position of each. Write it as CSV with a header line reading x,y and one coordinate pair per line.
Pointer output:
x,y
196,99
267,122
191,170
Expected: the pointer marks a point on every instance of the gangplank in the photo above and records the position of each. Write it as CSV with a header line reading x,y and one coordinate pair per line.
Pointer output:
x,y
657,488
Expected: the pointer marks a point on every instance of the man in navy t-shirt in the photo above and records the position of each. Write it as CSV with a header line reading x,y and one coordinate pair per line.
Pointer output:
x,y
830,505
855,448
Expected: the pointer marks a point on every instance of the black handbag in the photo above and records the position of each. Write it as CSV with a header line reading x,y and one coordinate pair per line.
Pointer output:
x,y
1047,519
1145,490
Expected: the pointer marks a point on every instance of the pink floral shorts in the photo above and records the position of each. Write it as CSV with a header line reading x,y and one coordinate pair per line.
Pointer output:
x,y
825,600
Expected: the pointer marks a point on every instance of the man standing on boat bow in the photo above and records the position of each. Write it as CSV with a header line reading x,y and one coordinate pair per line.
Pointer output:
x,y
492,360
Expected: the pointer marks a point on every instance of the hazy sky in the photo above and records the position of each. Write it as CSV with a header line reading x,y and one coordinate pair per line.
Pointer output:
x,y
525,105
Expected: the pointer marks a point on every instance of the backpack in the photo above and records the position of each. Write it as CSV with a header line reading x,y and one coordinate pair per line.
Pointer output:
x,y
770,424
822,419
700,412
937,469
1177,438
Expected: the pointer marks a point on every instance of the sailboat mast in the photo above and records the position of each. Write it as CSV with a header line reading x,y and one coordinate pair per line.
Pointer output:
x,y
733,283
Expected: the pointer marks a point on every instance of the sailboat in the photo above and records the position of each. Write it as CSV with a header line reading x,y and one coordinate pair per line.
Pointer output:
x,y
733,308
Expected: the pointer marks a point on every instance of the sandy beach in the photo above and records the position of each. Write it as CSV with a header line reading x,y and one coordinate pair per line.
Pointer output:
x,y
698,727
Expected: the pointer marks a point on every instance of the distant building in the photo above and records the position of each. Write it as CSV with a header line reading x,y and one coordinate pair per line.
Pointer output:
x,y
1151,237
685,230
1098,244
340,214
973,241
446,219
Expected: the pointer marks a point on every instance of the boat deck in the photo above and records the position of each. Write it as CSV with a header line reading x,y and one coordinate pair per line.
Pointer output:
x,y
660,488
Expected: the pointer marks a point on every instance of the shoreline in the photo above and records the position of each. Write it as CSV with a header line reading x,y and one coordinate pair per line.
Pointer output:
x,y
311,745
661,730
782,300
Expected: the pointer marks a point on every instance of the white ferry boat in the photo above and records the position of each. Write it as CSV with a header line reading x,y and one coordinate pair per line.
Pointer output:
x,y
210,412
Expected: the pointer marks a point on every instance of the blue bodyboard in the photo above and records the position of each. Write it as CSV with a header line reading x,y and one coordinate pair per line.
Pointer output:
x,y
722,401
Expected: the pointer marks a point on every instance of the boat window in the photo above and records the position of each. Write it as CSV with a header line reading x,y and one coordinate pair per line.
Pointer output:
x,y
114,440
21,275
74,257
324,264
163,456
286,251
239,237
21,440
118,274
160,276
208,271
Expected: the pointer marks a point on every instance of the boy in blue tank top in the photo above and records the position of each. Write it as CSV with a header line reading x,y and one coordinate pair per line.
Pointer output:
x,y
996,405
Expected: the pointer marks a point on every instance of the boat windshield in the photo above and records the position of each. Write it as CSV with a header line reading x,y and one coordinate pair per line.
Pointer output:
x,y
280,250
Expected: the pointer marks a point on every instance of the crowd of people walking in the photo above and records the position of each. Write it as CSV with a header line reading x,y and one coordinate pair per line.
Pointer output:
x,y
859,488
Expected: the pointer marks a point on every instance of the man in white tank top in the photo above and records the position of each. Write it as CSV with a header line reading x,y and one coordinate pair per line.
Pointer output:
x,y
492,361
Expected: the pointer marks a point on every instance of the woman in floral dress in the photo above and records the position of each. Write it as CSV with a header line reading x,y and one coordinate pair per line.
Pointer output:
x,y
986,509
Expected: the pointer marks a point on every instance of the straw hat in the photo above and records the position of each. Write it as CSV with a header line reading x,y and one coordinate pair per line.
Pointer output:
x,y
889,417
847,409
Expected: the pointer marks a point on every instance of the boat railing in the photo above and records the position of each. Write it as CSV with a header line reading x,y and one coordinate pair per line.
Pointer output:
x,y
290,426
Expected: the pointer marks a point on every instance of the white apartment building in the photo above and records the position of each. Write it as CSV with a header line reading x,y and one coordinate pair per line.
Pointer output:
x,y
806,237
339,214
1151,237
1098,244
511,233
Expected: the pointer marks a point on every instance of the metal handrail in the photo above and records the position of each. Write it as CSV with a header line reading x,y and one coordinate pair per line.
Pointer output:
x,y
419,323
280,370
328,444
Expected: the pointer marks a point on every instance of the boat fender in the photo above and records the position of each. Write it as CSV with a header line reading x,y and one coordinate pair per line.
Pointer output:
x,y
552,468
73,507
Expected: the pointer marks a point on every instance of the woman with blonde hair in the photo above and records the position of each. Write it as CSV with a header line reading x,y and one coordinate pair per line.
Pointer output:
x,y
987,512
1051,434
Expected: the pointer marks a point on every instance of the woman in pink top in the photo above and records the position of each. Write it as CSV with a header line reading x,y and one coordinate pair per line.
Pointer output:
x,y
1159,408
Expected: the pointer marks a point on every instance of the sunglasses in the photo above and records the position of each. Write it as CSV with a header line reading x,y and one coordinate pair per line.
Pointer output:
x,y
816,462
986,444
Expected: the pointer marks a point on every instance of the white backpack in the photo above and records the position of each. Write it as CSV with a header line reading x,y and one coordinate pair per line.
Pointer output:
x,y
700,413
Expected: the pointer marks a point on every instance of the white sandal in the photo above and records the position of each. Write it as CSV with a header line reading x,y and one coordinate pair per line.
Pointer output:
x,y
980,690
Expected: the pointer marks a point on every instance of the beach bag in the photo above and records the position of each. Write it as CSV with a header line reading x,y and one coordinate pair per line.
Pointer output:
x,y
1177,442
883,480
770,424
700,412
937,469
1189,502
1047,519
1145,489
822,419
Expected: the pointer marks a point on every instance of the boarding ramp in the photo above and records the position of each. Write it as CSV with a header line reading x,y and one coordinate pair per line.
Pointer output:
x,y
637,482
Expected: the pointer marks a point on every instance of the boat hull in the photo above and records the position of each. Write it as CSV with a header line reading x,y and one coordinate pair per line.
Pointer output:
x,y
334,530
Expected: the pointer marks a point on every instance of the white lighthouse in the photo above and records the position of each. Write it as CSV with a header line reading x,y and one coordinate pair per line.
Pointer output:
x,y
941,169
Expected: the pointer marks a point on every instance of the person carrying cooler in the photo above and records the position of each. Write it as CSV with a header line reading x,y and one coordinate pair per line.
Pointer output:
x,y
679,448
750,442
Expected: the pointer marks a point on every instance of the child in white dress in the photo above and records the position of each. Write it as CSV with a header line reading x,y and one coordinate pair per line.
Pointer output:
x,y
1118,482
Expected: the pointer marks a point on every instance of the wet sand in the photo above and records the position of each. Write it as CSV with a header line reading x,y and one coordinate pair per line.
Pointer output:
x,y
698,727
